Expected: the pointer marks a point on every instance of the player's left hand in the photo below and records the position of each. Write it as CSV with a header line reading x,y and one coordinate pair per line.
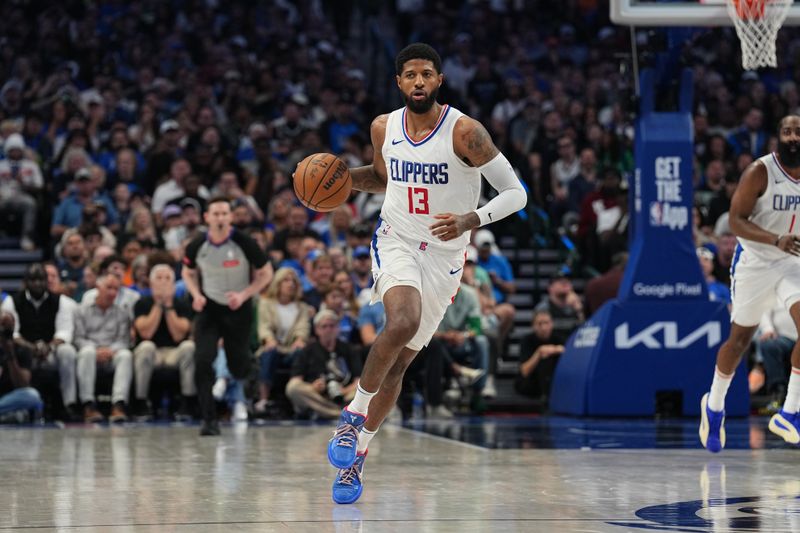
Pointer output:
x,y
449,226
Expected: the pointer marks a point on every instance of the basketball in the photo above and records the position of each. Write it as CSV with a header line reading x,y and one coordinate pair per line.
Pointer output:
x,y
322,182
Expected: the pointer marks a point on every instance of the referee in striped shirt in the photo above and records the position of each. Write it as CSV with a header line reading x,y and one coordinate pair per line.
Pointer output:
x,y
223,269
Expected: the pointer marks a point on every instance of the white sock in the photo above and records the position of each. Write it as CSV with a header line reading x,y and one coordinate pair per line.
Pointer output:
x,y
719,388
360,403
363,439
792,402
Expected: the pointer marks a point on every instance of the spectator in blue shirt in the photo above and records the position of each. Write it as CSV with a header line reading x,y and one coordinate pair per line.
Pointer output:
x,y
717,291
498,267
69,212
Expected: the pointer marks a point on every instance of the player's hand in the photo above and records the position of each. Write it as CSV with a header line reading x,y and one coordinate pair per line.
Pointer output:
x,y
235,300
199,303
449,226
790,244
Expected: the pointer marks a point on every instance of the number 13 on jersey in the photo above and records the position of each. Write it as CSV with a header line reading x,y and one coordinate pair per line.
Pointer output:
x,y
418,201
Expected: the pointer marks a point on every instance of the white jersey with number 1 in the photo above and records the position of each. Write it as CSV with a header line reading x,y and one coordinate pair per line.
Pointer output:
x,y
777,210
762,273
425,178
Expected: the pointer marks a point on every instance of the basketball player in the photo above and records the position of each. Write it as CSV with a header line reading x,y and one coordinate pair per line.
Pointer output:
x,y
764,217
428,160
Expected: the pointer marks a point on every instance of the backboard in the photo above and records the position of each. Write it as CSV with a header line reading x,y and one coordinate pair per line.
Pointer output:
x,y
680,13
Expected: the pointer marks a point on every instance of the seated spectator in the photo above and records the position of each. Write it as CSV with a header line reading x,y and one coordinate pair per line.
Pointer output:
x,y
605,287
600,212
325,374
102,336
16,394
283,329
74,259
539,354
69,213
717,292
336,226
162,325
563,304
125,297
320,277
343,282
460,332
585,182
44,325
142,227
20,182
296,224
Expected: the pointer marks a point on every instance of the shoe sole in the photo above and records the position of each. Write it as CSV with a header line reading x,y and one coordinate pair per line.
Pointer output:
x,y
704,427
790,435
349,501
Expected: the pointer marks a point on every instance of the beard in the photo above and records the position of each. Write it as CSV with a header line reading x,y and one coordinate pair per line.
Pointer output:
x,y
423,106
789,154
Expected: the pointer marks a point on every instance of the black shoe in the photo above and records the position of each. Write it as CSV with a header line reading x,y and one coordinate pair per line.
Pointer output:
x,y
73,413
142,411
210,429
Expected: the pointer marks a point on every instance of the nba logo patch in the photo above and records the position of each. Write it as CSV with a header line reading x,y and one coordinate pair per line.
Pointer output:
x,y
423,246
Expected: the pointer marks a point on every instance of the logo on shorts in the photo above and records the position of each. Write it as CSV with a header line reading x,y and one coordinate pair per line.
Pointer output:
x,y
423,246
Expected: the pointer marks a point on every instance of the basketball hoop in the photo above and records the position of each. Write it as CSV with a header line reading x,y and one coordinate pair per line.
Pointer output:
x,y
757,23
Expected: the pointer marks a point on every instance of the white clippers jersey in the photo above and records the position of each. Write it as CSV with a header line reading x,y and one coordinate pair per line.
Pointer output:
x,y
777,210
426,178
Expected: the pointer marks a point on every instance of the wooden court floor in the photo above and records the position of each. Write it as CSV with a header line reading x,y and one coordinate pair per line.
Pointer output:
x,y
160,478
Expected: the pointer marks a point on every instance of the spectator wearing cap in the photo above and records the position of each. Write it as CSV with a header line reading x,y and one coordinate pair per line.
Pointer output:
x,y
20,183
69,212
361,269
283,329
173,188
717,292
498,267
326,373
563,304
167,149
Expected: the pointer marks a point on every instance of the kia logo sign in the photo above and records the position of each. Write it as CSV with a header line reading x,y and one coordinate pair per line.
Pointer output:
x,y
664,335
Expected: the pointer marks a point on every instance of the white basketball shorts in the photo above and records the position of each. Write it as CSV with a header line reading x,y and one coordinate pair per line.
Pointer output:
x,y
436,276
755,286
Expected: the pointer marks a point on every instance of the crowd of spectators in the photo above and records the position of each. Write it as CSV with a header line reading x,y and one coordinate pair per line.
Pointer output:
x,y
119,120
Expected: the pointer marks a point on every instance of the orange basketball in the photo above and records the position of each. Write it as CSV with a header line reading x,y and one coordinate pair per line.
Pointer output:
x,y
322,182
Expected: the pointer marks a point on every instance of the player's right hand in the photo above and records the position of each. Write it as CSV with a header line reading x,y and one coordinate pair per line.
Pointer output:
x,y
790,244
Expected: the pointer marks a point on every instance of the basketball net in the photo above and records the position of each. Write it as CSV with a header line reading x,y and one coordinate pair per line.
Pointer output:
x,y
757,23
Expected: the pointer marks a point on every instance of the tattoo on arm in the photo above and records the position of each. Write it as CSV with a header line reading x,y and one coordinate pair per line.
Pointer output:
x,y
479,145
367,179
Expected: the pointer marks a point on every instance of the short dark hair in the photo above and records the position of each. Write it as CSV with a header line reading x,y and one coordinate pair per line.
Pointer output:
x,y
780,122
417,51
110,260
218,200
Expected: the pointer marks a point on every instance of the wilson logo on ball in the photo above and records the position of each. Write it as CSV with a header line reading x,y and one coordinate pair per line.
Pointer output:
x,y
338,173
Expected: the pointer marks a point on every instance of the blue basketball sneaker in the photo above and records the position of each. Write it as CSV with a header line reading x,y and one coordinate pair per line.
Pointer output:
x,y
784,425
342,447
712,427
347,486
